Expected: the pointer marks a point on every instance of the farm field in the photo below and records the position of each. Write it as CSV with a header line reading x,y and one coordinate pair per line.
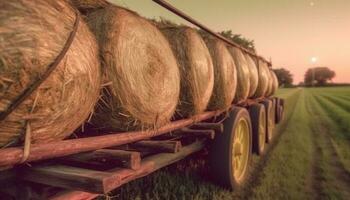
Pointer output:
x,y
309,158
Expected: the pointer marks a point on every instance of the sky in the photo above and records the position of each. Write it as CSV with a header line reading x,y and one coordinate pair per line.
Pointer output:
x,y
291,33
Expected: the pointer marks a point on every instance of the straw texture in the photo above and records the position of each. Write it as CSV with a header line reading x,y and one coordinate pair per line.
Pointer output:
x,y
270,84
32,34
253,75
275,82
243,75
263,77
140,74
195,66
225,74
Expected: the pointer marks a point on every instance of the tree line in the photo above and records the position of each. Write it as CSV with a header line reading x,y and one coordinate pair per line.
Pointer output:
x,y
317,76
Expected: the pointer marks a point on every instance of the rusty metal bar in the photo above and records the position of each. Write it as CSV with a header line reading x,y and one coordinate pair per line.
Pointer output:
x,y
183,15
13,155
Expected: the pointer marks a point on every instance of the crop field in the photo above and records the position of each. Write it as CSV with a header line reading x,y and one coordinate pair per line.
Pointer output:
x,y
309,158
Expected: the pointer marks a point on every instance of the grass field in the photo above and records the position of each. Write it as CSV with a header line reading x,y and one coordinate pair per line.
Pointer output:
x,y
309,158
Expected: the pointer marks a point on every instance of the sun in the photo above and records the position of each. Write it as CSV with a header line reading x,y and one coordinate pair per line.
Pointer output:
x,y
313,59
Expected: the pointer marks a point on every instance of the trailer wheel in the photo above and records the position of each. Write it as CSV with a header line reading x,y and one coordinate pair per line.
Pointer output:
x,y
274,105
279,110
270,119
258,119
230,152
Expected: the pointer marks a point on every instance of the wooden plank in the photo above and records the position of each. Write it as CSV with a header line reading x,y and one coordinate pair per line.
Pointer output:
x,y
104,159
164,159
148,165
71,178
217,127
74,195
207,133
130,159
14,155
166,146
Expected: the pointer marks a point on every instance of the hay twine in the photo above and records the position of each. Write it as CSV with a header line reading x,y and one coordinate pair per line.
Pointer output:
x,y
36,38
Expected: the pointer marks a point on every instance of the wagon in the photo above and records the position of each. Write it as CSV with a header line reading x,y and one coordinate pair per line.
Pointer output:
x,y
83,168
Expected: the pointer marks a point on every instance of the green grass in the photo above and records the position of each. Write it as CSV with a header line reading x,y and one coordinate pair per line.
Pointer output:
x,y
288,166
309,159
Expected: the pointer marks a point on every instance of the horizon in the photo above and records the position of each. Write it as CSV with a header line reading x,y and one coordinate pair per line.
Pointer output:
x,y
291,34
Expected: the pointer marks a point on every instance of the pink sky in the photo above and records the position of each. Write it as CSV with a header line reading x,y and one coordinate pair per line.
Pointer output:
x,y
290,32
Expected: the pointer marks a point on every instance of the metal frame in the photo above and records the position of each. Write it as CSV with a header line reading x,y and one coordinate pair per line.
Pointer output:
x,y
188,18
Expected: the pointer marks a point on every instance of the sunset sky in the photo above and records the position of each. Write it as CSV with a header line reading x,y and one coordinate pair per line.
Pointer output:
x,y
290,32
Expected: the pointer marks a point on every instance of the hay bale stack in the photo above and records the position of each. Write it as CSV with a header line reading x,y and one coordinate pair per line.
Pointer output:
x,y
196,69
140,72
32,35
243,75
263,81
253,75
225,75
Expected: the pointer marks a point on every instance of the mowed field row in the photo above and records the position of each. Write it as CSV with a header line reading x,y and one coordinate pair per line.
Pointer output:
x,y
308,159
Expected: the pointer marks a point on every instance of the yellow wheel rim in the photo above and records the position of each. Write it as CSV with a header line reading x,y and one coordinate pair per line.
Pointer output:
x,y
240,150
262,131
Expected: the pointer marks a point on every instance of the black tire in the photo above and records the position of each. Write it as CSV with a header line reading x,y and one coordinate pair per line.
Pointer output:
x,y
258,118
221,151
270,121
273,112
282,102
277,110
281,109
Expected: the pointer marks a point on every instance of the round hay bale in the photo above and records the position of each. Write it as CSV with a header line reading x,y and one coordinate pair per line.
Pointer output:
x,y
275,82
225,74
140,72
263,81
270,83
196,69
87,6
32,35
243,75
273,85
253,75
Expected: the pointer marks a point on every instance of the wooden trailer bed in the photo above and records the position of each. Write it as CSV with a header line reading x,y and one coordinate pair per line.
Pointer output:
x,y
85,168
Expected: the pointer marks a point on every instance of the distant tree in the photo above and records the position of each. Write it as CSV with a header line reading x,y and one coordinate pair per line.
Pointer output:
x,y
318,76
239,39
285,78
